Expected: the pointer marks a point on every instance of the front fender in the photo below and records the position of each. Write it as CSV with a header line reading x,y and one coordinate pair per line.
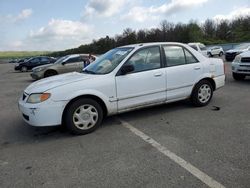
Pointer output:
x,y
110,105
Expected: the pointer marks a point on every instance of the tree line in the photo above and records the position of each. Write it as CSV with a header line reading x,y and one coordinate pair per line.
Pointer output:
x,y
209,32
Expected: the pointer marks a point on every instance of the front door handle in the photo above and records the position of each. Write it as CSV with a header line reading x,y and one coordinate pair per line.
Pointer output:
x,y
158,74
197,68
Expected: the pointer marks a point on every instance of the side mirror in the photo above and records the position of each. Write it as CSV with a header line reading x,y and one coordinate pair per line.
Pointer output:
x,y
127,69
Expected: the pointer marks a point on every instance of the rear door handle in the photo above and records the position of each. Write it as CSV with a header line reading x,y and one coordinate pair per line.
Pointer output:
x,y
197,68
158,74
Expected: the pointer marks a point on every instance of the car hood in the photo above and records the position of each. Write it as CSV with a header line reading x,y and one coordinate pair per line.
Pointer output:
x,y
56,81
245,54
43,66
235,51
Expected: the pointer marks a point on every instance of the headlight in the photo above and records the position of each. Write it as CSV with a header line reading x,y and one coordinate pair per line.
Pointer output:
x,y
237,59
38,97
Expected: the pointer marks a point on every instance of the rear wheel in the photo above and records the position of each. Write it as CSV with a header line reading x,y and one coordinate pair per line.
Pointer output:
x,y
239,76
49,73
202,93
83,116
24,69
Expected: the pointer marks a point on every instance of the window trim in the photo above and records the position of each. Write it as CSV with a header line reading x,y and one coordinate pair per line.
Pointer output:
x,y
183,49
143,48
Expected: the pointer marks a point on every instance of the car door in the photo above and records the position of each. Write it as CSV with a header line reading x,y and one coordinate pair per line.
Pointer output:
x,y
146,84
70,65
33,62
44,60
182,72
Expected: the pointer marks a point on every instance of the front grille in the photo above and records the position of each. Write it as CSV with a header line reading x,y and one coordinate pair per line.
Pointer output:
x,y
240,70
245,59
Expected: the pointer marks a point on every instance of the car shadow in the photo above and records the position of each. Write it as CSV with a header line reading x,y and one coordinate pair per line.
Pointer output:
x,y
23,133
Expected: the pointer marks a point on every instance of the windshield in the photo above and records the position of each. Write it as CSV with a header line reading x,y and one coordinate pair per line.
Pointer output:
x,y
60,60
108,61
202,47
242,46
194,47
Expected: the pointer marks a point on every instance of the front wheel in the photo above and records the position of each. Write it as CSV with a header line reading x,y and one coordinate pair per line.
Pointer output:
x,y
24,69
83,116
238,76
220,54
202,93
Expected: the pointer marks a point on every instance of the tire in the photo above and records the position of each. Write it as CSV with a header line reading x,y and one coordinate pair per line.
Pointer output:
x,y
49,73
220,54
202,93
239,76
210,54
83,116
24,69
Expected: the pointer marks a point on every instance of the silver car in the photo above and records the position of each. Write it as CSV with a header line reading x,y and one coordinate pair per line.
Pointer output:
x,y
69,63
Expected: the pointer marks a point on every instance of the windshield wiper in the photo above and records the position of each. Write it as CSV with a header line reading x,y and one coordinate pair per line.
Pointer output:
x,y
88,71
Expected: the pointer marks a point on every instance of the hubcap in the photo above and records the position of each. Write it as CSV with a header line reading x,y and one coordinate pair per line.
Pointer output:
x,y
85,117
204,93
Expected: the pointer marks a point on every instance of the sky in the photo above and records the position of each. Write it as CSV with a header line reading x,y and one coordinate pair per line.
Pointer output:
x,y
51,25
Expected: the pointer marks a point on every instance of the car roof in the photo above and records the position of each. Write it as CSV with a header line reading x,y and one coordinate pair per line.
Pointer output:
x,y
151,44
194,43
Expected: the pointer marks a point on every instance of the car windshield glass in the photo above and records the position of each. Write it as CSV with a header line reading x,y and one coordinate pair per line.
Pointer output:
x,y
242,46
194,47
60,60
202,47
108,61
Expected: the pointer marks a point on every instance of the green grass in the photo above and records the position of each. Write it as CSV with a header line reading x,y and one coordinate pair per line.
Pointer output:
x,y
21,54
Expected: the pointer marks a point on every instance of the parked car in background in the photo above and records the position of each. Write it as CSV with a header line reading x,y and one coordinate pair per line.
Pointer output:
x,y
13,60
241,66
215,50
69,63
123,79
22,60
33,62
231,54
199,47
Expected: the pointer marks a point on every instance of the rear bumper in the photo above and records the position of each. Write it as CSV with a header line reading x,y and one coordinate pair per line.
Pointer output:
x,y
219,81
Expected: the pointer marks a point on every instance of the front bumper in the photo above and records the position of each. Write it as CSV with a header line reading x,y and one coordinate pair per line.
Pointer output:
x,y
47,113
36,75
241,68
17,68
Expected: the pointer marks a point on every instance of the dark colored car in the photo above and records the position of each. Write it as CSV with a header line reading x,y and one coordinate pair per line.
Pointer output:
x,y
29,64
231,54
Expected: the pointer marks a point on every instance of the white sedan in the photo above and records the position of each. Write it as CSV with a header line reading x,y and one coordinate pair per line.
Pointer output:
x,y
123,79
